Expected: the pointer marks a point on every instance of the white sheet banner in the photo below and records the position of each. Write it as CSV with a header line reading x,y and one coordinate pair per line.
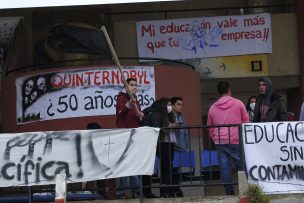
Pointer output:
x,y
79,92
35,158
205,37
274,155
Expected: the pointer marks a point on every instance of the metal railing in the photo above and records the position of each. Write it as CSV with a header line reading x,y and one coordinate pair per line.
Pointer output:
x,y
200,164
196,167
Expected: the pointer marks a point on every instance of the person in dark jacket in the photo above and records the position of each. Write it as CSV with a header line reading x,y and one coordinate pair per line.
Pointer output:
x,y
161,115
250,107
270,107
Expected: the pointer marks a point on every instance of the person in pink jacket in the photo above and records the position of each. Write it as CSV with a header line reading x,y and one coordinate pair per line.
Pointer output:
x,y
227,110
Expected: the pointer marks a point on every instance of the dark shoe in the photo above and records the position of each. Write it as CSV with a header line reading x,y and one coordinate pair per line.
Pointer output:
x,y
167,195
229,192
179,194
149,196
121,196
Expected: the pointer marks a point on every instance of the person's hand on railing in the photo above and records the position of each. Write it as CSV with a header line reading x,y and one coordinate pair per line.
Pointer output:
x,y
173,125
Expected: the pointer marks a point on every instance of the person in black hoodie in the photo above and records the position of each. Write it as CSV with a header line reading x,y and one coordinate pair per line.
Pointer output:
x,y
270,107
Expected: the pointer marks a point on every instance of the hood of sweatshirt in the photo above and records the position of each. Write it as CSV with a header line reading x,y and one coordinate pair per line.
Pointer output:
x,y
224,102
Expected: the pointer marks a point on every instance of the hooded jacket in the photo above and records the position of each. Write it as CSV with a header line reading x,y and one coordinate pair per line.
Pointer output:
x,y
277,107
125,117
226,110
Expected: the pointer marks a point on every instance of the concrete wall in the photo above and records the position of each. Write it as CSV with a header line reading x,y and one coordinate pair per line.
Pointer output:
x,y
284,59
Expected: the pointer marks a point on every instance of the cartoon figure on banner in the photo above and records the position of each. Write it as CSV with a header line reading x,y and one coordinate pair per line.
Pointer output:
x,y
33,88
41,84
30,91
200,39
27,90
214,36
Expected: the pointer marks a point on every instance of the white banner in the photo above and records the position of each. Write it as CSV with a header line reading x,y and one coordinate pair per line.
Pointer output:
x,y
205,37
274,155
80,92
35,158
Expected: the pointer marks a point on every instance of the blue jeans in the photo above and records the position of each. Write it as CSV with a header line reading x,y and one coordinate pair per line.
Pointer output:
x,y
228,153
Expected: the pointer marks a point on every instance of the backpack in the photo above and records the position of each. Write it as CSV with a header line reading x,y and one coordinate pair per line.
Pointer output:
x,y
147,117
151,118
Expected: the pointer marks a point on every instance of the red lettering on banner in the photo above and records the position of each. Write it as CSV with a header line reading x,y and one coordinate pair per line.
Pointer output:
x,y
256,34
266,34
79,80
150,30
172,28
172,42
73,80
126,75
227,23
115,78
56,81
65,81
105,77
140,77
254,21
89,77
146,82
96,77
156,44
206,25
133,74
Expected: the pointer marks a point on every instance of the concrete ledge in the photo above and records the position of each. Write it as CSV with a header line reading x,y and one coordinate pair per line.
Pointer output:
x,y
214,199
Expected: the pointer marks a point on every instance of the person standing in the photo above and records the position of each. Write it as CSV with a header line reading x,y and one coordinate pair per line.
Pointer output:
x,y
128,115
250,107
227,110
161,116
270,107
128,112
182,137
302,113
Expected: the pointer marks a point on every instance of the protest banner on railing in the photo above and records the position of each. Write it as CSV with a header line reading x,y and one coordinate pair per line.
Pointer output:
x,y
274,155
34,158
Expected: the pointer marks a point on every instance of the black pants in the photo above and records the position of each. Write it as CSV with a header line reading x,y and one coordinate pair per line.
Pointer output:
x,y
165,152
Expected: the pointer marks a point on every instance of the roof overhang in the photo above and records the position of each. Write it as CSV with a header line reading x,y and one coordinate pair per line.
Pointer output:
x,y
54,3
